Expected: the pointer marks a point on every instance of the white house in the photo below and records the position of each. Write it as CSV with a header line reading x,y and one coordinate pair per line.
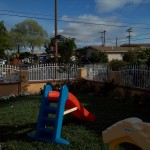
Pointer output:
x,y
112,52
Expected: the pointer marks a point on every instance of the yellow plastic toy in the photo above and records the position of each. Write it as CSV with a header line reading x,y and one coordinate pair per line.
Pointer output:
x,y
130,130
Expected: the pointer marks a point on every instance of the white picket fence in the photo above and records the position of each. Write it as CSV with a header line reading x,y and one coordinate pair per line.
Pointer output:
x,y
135,76
97,72
53,71
56,71
9,74
131,76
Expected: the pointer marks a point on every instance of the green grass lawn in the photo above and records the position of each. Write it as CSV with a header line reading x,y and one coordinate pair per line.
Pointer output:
x,y
18,118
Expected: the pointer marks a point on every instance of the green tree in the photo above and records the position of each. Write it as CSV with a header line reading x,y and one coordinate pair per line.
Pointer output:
x,y
98,57
81,54
66,48
144,55
32,34
130,56
16,38
49,45
4,40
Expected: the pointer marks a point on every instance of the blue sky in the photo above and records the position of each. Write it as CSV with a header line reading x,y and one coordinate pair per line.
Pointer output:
x,y
84,19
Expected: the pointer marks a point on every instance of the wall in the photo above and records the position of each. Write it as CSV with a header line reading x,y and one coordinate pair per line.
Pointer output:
x,y
9,89
35,87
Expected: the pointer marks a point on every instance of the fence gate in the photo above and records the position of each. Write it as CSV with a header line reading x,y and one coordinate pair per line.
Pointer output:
x,y
97,72
9,74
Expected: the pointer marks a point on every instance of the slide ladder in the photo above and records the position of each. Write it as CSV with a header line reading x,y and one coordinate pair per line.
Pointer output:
x,y
130,130
50,117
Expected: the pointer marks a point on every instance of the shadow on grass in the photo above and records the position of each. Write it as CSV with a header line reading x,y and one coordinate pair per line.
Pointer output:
x,y
109,110
18,132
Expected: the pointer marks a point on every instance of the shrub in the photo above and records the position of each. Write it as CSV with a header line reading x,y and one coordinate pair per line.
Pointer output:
x,y
115,64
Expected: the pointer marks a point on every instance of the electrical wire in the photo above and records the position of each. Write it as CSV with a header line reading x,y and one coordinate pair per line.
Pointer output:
x,y
90,23
73,18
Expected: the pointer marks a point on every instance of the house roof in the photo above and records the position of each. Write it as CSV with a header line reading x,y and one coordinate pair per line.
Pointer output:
x,y
136,45
114,49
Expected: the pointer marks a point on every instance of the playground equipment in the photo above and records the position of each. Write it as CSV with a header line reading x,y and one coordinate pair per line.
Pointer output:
x,y
130,130
51,114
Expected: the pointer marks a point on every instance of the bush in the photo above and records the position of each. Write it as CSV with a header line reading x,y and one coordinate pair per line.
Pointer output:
x,y
115,64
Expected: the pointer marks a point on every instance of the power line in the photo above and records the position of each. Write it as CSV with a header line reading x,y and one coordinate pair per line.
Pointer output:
x,y
124,40
23,16
140,34
132,36
63,20
25,13
73,18
90,23
141,39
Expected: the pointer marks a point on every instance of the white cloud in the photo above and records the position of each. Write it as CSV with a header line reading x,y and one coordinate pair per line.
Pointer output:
x,y
110,5
87,32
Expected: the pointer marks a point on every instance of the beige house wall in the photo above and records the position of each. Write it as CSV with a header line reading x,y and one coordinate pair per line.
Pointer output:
x,y
35,88
112,56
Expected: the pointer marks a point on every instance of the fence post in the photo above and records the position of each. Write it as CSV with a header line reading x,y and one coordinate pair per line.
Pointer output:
x,y
23,81
82,72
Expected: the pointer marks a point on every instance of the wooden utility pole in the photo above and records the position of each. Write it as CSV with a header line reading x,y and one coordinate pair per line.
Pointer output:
x,y
103,37
129,36
116,41
56,42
